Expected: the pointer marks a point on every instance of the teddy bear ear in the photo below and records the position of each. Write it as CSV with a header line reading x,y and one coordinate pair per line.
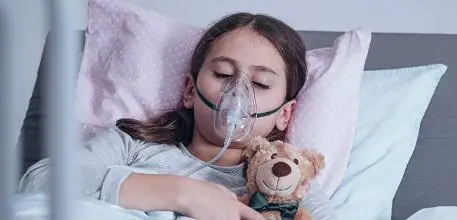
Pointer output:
x,y
317,159
255,145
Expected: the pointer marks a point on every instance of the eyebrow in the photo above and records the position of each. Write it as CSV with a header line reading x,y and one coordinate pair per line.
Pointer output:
x,y
229,60
234,63
264,69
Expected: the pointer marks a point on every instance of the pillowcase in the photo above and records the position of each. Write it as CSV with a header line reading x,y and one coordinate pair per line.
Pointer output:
x,y
326,110
392,105
134,62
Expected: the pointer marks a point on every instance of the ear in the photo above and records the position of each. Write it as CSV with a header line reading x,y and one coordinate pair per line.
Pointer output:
x,y
285,115
254,145
189,92
317,159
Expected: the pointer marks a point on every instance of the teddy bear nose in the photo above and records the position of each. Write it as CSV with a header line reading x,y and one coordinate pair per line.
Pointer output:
x,y
281,169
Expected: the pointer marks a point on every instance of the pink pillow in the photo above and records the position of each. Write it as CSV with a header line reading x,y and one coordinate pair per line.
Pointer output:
x,y
326,112
133,66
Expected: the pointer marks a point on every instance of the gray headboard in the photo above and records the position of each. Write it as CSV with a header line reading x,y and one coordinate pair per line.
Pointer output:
x,y
429,179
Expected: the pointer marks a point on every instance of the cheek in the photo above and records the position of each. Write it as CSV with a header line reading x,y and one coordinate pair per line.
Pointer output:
x,y
272,98
208,86
203,114
263,126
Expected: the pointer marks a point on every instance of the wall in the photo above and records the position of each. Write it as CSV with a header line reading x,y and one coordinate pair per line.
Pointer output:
x,y
424,16
408,16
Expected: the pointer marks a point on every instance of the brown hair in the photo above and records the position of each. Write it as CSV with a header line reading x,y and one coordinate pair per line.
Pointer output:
x,y
177,125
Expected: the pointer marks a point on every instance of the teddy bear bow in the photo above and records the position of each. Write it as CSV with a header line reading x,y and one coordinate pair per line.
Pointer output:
x,y
287,210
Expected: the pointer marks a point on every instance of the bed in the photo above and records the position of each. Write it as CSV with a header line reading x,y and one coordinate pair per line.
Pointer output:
x,y
429,180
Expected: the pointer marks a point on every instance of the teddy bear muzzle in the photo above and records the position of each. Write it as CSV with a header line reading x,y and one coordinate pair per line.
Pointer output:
x,y
278,177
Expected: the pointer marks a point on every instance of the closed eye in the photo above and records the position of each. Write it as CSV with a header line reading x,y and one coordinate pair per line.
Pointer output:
x,y
226,75
221,75
260,85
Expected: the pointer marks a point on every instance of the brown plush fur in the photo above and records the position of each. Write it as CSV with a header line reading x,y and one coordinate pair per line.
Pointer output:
x,y
281,165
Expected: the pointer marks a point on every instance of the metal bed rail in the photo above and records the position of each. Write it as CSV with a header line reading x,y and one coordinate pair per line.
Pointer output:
x,y
61,134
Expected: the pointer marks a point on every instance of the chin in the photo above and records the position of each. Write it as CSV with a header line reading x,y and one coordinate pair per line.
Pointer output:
x,y
238,145
233,145
209,136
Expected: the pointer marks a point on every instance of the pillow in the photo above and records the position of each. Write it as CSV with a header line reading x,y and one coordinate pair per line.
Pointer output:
x,y
392,105
134,62
326,110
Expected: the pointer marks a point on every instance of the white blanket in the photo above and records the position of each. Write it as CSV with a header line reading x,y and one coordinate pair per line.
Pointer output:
x,y
436,213
36,207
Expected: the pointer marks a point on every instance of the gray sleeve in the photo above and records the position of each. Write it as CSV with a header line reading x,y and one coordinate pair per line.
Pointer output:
x,y
97,161
317,205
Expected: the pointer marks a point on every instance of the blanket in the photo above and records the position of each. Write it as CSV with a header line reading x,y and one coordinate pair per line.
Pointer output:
x,y
36,207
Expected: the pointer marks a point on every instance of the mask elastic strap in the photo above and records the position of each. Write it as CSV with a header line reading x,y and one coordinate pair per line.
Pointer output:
x,y
206,101
263,114
255,115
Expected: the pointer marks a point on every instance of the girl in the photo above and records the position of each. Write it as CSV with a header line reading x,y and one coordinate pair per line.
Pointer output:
x,y
272,55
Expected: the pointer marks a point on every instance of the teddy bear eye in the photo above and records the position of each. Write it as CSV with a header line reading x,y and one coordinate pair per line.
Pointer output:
x,y
273,156
296,161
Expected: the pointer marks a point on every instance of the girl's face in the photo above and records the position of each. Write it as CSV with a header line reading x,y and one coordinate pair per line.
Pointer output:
x,y
244,51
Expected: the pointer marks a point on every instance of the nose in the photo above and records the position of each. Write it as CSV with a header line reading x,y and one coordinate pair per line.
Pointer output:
x,y
281,169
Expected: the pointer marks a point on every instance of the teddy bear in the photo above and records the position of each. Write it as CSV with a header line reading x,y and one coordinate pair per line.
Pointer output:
x,y
278,176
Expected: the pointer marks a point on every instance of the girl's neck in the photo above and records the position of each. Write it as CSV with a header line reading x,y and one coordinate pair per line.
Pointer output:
x,y
206,151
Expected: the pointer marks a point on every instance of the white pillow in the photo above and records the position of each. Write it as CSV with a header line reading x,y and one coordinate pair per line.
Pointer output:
x,y
392,105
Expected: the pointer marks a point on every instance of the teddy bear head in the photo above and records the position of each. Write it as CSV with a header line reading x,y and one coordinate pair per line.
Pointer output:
x,y
279,171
